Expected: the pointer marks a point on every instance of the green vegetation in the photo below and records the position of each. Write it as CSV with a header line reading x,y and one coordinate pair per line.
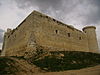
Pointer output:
x,y
50,61
70,60
7,66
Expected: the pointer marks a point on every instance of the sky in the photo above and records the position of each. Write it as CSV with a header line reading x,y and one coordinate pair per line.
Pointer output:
x,y
78,13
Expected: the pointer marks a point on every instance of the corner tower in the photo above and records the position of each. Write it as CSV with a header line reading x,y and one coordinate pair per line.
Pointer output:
x,y
5,41
92,39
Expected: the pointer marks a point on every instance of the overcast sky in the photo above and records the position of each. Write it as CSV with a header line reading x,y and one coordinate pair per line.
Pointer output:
x,y
78,13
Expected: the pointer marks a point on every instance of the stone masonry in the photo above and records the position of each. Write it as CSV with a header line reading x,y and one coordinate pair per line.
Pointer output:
x,y
41,30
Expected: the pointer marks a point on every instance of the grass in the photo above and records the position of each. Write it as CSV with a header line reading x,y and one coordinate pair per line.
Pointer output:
x,y
53,61
70,61
7,66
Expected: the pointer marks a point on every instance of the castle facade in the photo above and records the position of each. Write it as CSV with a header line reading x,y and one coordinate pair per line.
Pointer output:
x,y
53,35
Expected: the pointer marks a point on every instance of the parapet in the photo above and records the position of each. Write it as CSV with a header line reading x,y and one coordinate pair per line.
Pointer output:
x,y
88,27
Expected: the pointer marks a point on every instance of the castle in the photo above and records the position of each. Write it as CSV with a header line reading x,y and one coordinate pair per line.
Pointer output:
x,y
39,29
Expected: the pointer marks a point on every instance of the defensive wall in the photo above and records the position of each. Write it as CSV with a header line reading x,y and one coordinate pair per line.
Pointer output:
x,y
39,29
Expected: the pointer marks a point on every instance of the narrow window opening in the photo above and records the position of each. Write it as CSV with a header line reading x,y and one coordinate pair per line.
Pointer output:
x,y
46,16
80,38
56,31
68,34
54,20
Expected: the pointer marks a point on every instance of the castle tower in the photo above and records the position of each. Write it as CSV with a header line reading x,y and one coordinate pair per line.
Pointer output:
x,y
92,39
4,41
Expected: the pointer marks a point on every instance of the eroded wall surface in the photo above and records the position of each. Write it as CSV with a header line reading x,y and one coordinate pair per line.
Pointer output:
x,y
39,29
16,40
58,36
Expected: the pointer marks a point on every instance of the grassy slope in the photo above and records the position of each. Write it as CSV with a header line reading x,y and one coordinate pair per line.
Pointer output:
x,y
16,66
53,62
70,61
7,66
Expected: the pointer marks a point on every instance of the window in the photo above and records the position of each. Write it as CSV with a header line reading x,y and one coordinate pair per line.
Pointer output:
x,y
80,38
54,20
56,31
68,34
46,16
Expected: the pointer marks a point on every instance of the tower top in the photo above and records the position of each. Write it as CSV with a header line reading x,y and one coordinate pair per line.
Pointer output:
x,y
8,30
88,27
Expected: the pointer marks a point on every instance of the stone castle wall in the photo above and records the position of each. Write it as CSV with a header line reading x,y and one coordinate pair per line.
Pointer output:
x,y
51,33
17,39
39,29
